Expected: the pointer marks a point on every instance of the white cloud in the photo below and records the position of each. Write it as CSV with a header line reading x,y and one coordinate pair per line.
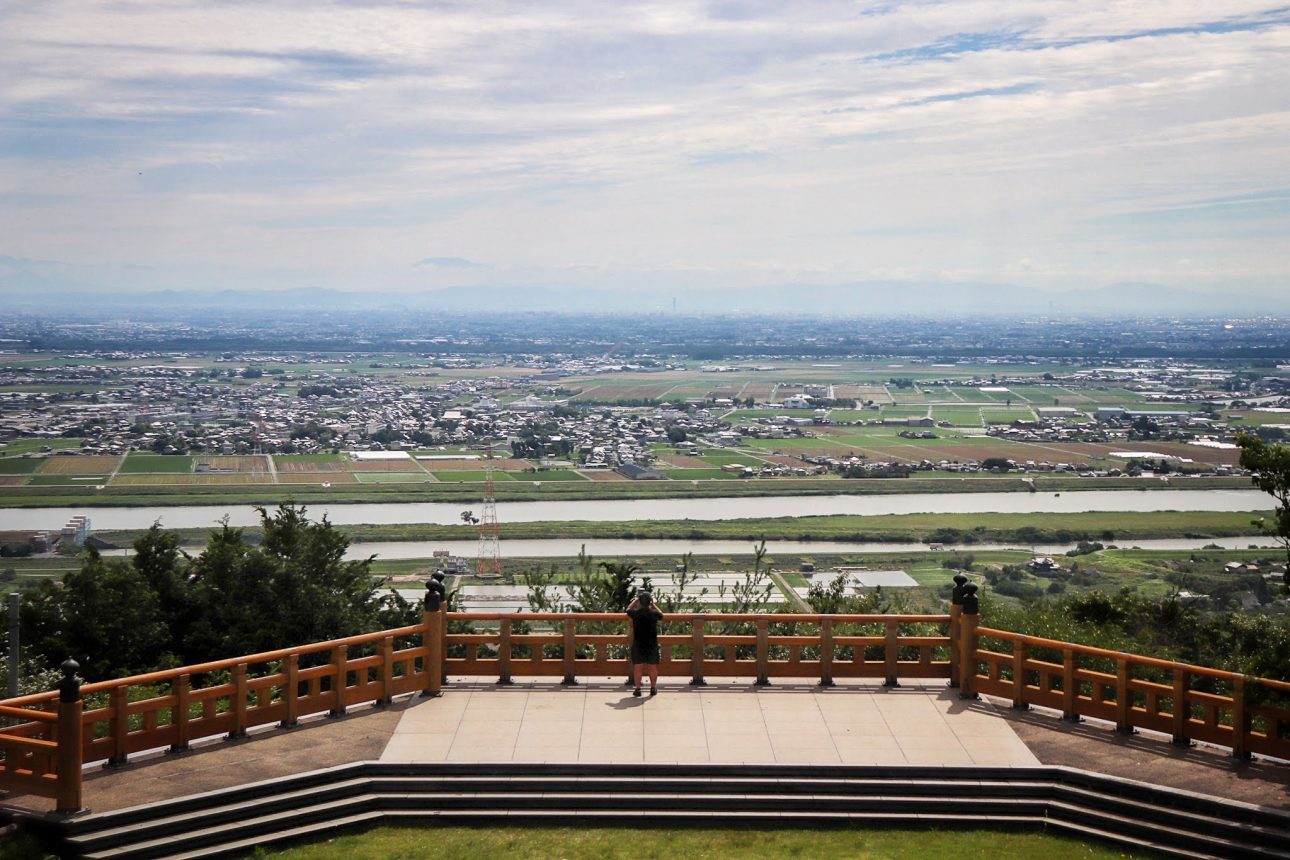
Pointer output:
x,y
665,141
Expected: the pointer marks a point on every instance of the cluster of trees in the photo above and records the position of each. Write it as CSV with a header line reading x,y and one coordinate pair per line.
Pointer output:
x,y
1171,628
162,607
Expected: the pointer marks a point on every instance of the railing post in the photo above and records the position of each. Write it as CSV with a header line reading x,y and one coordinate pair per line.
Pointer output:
x,y
1020,651
70,738
504,652
432,637
339,680
956,616
118,701
570,653
826,652
889,654
696,655
1122,698
180,688
385,648
763,653
1069,689
1181,708
968,623
291,692
1240,721
239,701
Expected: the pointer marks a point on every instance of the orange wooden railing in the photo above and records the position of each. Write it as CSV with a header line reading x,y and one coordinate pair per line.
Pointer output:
x,y
50,736
1130,690
754,645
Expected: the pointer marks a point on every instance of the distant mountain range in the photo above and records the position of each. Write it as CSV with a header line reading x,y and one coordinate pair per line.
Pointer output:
x,y
28,288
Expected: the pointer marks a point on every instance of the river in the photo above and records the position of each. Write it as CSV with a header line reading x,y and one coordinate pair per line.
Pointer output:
x,y
612,547
755,507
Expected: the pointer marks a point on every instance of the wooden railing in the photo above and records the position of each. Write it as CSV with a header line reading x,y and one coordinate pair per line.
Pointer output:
x,y
760,646
50,736
1189,703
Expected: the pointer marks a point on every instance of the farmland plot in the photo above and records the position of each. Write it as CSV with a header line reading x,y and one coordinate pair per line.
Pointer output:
x,y
79,465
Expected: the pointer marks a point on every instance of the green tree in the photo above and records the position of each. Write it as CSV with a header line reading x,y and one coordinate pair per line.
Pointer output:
x,y
1269,467
105,615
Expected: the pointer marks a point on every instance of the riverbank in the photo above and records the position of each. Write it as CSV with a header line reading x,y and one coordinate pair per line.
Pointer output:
x,y
890,528
517,491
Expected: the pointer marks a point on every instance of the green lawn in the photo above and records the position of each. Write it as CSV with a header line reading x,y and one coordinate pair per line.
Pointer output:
x,y
66,480
698,474
156,463
472,475
307,458
700,843
390,477
19,465
549,475
27,446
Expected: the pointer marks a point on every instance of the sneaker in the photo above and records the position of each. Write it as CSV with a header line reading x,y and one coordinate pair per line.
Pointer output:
x,y
653,691
637,692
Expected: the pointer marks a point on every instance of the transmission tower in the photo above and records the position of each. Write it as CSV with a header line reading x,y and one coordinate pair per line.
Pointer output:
x,y
489,561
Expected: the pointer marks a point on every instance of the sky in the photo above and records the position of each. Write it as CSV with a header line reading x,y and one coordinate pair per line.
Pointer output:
x,y
413,146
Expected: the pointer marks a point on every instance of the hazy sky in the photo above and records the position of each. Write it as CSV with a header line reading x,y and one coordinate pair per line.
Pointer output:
x,y
407,145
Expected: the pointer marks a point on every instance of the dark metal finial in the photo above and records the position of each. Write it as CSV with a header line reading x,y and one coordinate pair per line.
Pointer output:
x,y
956,596
971,605
69,687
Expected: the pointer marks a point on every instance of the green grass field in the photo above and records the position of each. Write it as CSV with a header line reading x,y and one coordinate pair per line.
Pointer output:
x,y
29,446
19,465
391,477
652,842
699,474
549,475
475,476
136,463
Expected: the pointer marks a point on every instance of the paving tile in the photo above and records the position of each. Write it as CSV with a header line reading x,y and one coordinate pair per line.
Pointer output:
x,y
807,755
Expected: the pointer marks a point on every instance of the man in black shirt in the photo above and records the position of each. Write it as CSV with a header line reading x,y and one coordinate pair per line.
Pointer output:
x,y
645,616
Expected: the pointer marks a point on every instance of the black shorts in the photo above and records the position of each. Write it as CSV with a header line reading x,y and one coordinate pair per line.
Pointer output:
x,y
645,654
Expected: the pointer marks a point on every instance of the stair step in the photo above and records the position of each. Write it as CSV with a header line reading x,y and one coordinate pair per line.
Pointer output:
x,y
1162,834
1191,820
1177,824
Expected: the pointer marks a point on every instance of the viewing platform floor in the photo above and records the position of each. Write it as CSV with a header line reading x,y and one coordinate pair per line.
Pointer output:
x,y
727,721
788,723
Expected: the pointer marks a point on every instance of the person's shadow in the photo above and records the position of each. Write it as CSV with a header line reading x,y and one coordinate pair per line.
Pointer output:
x,y
626,703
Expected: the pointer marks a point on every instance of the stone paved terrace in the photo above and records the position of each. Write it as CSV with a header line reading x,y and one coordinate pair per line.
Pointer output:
x,y
721,722
599,721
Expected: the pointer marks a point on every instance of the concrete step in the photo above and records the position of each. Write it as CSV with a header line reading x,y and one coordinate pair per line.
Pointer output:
x,y
1132,814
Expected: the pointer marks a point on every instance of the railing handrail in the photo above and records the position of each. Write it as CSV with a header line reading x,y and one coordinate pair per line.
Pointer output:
x,y
708,617
1138,659
219,665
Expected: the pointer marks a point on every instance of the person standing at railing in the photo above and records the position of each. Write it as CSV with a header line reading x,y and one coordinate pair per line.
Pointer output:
x,y
645,616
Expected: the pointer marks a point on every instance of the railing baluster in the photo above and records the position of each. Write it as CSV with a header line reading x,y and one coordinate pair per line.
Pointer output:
x,y
1122,698
180,689
239,702
118,701
1182,708
696,656
504,652
291,691
385,648
826,652
570,653
763,652
1070,687
1020,650
339,680
1240,720
890,653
